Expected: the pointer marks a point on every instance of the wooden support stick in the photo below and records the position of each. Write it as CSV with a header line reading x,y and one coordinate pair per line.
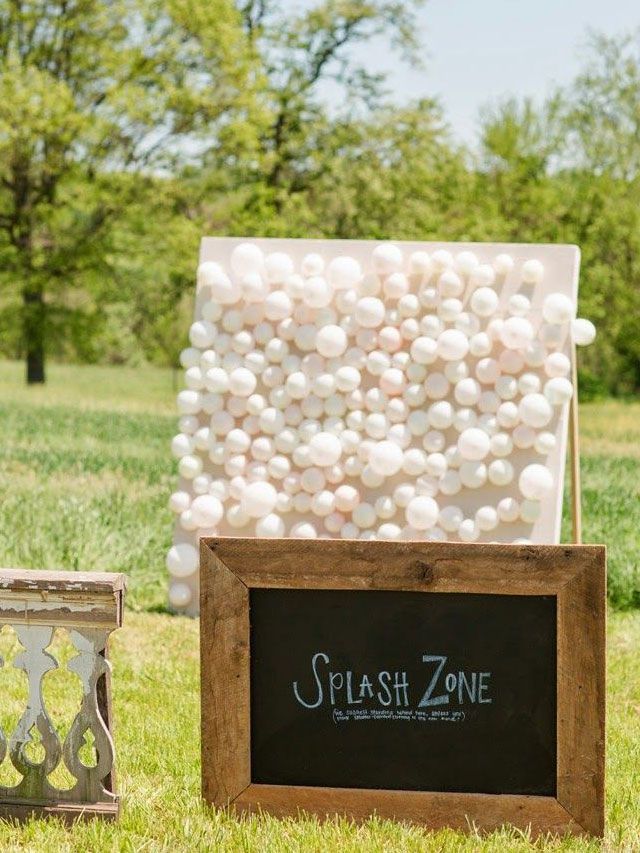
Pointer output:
x,y
574,449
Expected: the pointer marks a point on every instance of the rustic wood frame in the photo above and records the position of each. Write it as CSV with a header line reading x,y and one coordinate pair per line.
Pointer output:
x,y
575,574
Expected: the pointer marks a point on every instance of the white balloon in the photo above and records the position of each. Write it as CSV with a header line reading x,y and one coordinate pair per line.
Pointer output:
x,y
473,475
480,344
466,262
347,498
206,510
473,444
364,515
325,449
545,443
532,272
535,410
393,381
486,518
420,264
323,503
388,532
422,512
500,472
254,291
516,333
386,458
414,462
396,285
182,445
557,309
482,276
453,345
508,509
529,383
304,530
202,334
450,484
278,267
246,258
442,259
558,390
583,331
557,364
424,350
503,264
484,301
506,387
182,560
468,530
450,518
190,466
312,264
242,382
331,341
344,272
535,482
369,312
450,310
180,595
390,339
270,527
387,258
278,305
487,370
523,436
440,414
501,444
258,499
317,292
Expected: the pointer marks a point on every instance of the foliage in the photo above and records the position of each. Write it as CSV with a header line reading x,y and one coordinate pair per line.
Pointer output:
x,y
129,129
91,93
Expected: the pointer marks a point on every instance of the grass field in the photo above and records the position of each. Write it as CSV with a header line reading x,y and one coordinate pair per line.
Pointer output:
x,y
85,474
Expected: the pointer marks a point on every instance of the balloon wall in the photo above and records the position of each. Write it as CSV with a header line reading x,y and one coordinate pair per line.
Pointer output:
x,y
362,390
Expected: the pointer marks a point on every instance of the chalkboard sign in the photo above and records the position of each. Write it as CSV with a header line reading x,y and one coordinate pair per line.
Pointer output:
x,y
404,690
445,683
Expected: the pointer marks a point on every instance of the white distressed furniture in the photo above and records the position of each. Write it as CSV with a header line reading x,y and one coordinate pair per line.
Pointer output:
x,y
89,606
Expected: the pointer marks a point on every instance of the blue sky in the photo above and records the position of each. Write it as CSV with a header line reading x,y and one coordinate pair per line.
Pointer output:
x,y
479,50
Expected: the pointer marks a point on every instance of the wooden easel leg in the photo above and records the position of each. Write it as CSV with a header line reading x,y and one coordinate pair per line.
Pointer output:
x,y
574,450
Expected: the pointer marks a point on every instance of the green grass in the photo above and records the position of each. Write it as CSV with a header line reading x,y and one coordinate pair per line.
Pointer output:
x,y
84,476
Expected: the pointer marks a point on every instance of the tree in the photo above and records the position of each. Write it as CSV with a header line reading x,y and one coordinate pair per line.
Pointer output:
x,y
93,92
305,56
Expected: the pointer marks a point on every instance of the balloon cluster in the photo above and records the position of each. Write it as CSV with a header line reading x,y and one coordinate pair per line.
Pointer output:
x,y
337,401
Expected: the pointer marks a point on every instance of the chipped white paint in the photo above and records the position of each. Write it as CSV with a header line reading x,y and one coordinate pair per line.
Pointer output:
x,y
35,605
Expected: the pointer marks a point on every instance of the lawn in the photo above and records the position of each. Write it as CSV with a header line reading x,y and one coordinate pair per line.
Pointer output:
x,y
85,475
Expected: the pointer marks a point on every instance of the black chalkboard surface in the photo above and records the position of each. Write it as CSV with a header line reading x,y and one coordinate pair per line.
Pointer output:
x,y
397,690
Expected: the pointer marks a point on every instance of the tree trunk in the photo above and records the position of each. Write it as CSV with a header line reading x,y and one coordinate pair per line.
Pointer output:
x,y
33,334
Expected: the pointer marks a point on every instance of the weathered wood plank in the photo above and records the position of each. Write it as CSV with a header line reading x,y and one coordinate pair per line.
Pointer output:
x,y
62,598
224,657
485,812
581,695
433,566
